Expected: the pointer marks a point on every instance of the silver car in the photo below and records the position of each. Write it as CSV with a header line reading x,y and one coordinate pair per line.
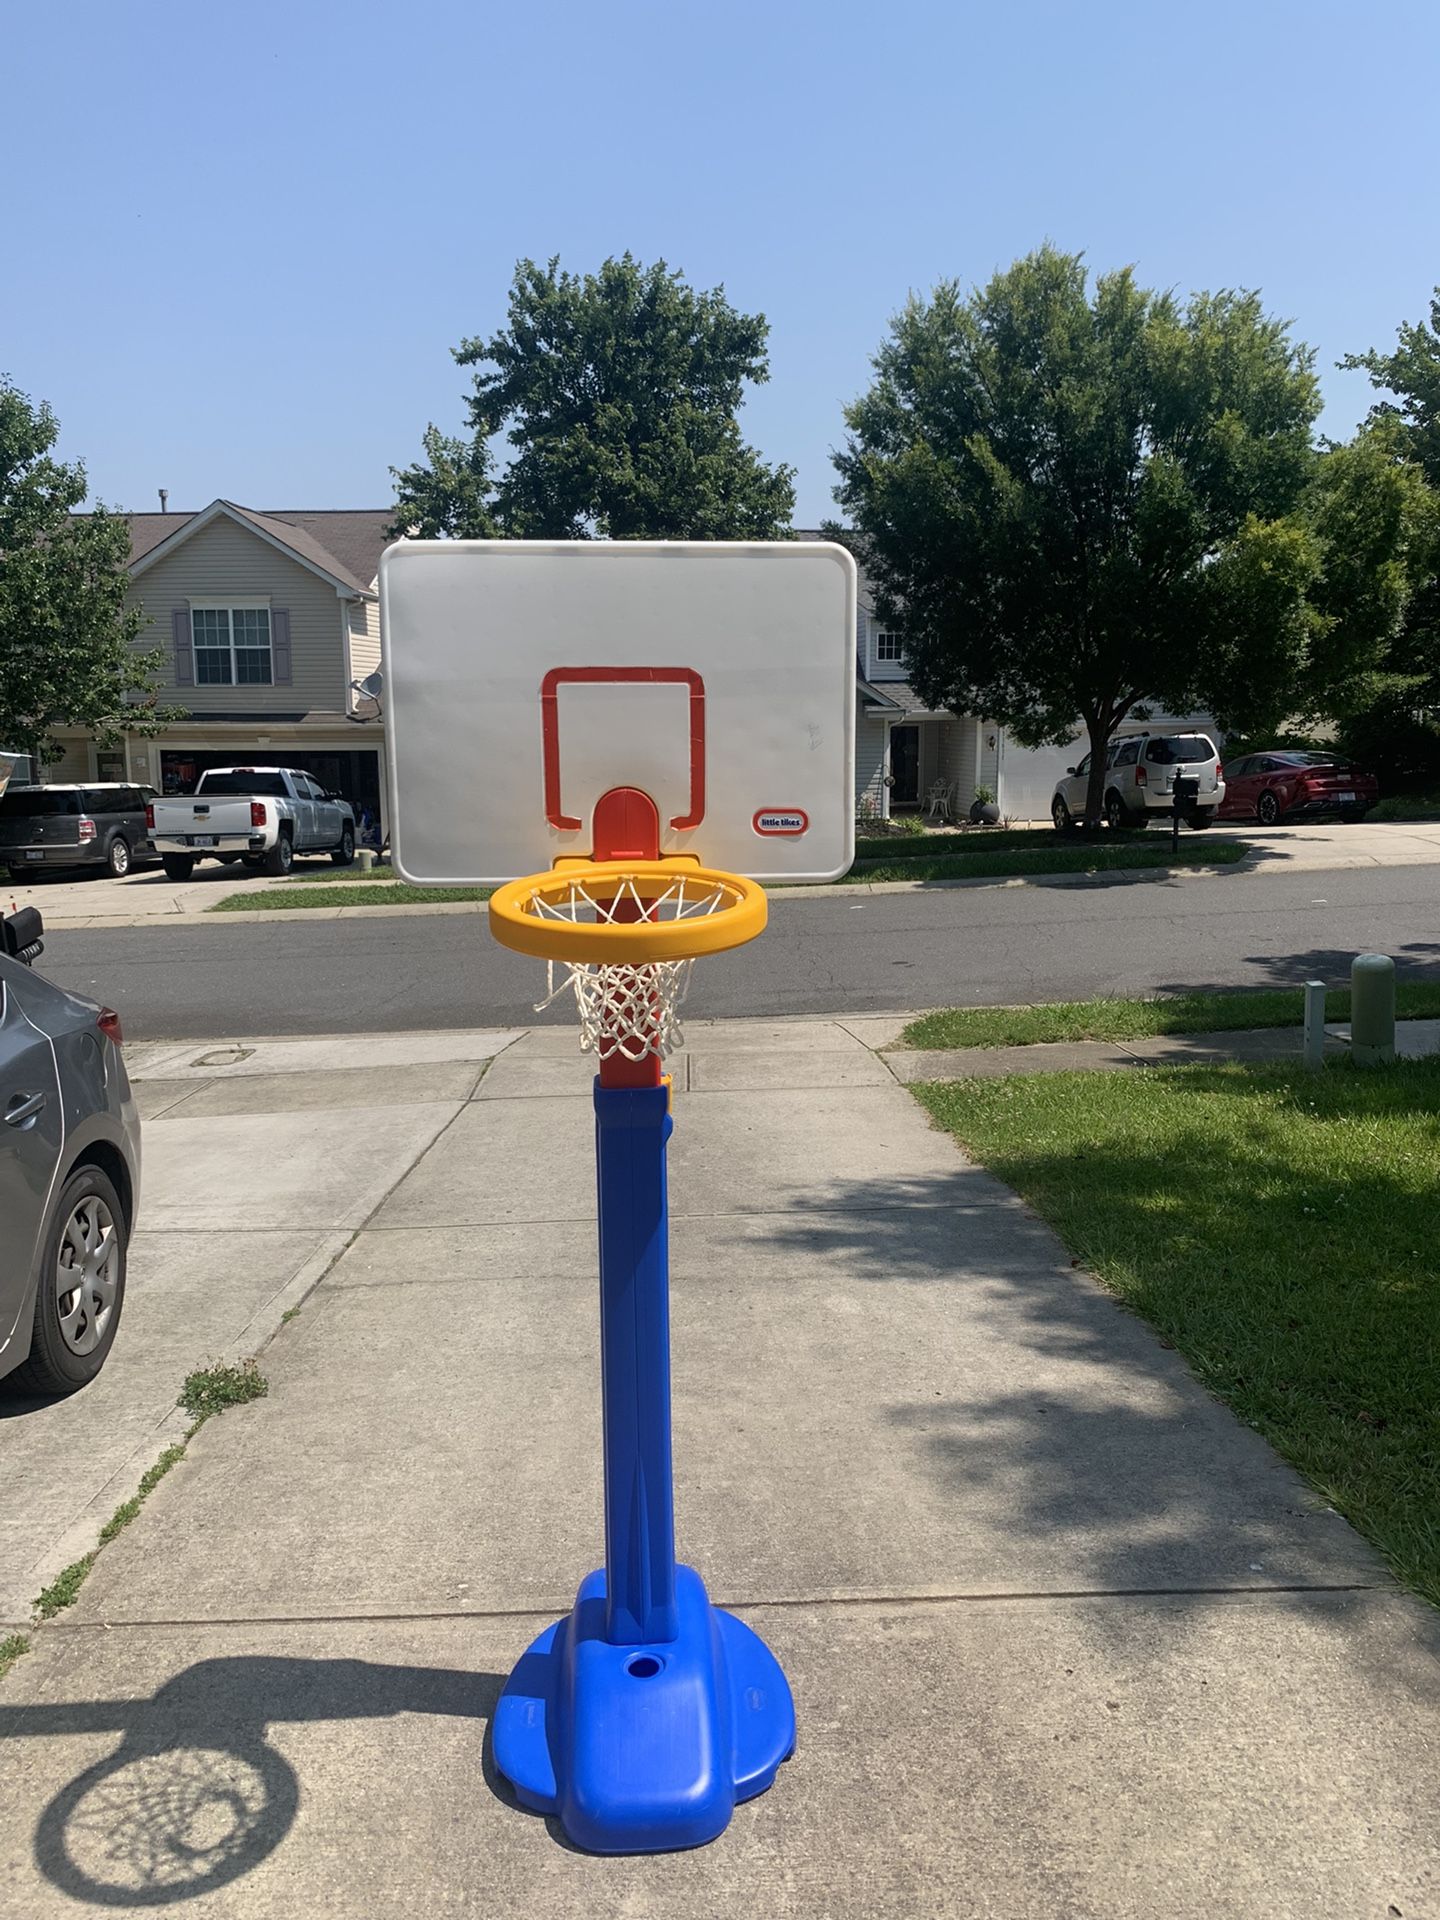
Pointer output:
x,y
69,1173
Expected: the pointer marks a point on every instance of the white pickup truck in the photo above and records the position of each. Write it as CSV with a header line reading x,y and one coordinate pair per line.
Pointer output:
x,y
264,816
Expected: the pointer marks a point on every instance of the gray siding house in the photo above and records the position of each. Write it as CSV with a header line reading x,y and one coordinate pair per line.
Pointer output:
x,y
264,621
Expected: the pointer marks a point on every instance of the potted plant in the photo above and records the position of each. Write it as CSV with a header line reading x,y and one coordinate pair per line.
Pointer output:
x,y
983,810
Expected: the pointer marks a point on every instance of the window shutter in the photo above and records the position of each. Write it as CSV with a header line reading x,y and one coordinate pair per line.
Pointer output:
x,y
280,645
184,656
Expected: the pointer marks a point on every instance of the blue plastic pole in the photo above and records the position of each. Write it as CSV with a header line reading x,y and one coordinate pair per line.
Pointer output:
x,y
632,1126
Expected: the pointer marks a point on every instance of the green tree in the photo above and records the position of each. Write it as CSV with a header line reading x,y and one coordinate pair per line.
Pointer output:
x,y
1406,426
67,653
1075,500
617,393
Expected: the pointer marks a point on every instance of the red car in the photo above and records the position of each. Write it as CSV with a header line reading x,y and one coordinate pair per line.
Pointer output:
x,y
1269,787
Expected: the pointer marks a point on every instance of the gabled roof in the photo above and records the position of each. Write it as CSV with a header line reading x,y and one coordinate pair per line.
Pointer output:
x,y
342,544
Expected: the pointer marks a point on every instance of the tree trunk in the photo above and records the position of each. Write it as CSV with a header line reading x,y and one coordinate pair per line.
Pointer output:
x,y
1099,733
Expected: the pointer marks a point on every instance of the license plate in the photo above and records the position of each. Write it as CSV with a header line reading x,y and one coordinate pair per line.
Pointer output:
x,y
202,839
33,853
1345,799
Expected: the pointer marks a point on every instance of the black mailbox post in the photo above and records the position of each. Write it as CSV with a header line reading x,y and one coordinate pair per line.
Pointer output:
x,y
1184,795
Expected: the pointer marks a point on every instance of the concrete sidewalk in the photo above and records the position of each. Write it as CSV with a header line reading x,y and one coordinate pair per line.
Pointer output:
x,y
1065,1638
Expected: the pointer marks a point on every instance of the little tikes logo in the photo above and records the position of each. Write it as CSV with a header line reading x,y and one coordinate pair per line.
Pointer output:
x,y
786,822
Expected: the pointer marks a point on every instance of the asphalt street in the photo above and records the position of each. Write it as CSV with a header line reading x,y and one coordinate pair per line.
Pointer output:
x,y
967,946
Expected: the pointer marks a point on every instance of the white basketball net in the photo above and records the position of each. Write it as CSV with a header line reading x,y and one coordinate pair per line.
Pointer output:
x,y
632,1010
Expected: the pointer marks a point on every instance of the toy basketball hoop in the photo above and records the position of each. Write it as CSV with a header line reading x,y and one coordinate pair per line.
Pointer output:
x,y
591,715
624,932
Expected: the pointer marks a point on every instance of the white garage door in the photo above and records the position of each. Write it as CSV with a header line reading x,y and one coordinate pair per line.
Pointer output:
x,y
1028,776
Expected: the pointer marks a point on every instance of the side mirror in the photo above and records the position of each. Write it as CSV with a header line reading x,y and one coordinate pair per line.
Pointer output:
x,y
1070,771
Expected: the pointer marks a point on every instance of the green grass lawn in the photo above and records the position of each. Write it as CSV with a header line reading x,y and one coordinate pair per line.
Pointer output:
x,y
930,846
1278,1228
353,890
1140,1019
1039,853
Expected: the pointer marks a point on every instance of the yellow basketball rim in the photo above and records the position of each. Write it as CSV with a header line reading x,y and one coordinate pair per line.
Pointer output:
x,y
565,914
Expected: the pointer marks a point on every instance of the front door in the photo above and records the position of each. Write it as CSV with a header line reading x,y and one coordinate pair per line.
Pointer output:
x,y
905,766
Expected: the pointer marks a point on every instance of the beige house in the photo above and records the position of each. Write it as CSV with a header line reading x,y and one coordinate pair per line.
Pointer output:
x,y
265,621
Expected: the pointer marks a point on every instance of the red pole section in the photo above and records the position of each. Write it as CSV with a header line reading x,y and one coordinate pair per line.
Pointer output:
x,y
627,827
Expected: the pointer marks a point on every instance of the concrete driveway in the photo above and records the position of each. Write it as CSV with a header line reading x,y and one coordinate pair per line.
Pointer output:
x,y
1333,843
148,894
1066,1639
259,1165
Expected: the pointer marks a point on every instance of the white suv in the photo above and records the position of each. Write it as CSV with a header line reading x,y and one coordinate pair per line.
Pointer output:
x,y
1140,771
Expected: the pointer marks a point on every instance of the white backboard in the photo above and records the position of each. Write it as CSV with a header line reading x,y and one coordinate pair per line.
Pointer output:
x,y
524,679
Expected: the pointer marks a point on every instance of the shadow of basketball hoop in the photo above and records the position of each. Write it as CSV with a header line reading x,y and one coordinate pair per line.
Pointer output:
x,y
156,1823
195,1796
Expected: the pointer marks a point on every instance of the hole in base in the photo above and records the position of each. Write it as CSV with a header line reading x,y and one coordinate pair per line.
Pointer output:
x,y
644,1666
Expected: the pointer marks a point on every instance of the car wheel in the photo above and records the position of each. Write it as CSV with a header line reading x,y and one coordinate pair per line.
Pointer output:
x,y
82,1287
1060,814
345,852
281,857
117,857
1118,816
178,866
1267,809
1201,818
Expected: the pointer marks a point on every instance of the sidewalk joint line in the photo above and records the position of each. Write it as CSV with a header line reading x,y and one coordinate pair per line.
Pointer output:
x,y
816,1602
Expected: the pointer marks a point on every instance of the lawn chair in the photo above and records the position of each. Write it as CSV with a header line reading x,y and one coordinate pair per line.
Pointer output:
x,y
938,801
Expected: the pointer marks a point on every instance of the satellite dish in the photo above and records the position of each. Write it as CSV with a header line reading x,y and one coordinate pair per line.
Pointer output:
x,y
370,688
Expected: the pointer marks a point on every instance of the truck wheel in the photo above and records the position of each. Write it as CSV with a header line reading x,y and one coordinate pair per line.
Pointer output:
x,y
345,852
281,857
178,866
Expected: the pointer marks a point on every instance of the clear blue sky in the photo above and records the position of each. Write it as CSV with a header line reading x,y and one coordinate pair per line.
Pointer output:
x,y
240,240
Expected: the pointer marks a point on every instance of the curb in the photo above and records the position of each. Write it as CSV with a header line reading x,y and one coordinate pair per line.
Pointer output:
x,y
286,915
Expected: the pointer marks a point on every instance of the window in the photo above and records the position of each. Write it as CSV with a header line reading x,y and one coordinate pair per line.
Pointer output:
x,y
232,646
38,803
1128,754
1084,767
1179,750
888,647
1241,768
244,780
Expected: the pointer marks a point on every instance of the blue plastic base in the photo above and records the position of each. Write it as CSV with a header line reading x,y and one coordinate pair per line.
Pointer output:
x,y
645,1748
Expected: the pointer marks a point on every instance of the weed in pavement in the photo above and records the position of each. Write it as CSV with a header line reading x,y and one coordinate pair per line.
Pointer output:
x,y
210,1390
64,1590
11,1648
150,1479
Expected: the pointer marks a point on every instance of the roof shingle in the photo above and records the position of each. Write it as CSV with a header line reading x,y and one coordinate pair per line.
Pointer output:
x,y
345,541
